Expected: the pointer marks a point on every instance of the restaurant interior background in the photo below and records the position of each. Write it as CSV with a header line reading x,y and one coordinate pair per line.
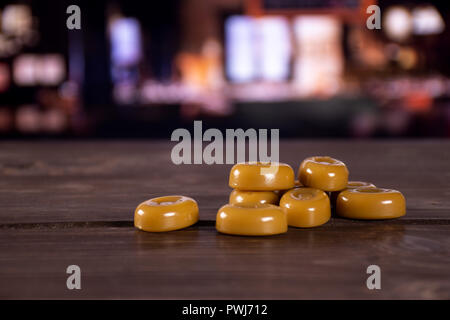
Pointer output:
x,y
144,68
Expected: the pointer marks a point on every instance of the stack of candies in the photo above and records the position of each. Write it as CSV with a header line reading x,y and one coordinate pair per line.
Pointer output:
x,y
267,199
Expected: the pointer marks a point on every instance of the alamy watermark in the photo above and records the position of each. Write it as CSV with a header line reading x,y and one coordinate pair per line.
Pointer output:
x,y
374,280
74,20
74,280
374,20
213,153
189,150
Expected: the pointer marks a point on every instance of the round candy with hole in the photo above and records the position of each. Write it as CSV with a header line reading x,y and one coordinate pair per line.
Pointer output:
x,y
259,176
350,185
371,204
306,207
324,173
251,219
166,214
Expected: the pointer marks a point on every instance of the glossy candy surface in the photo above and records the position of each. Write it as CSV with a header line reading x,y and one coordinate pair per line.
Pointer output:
x,y
306,207
251,220
257,176
324,173
239,196
370,204
350,185
166,214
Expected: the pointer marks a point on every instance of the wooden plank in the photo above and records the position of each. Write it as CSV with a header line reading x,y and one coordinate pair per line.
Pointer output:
x,y
72,203
198,263
104,181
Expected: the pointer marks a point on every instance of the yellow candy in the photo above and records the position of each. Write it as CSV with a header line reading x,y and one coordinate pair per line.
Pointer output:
x,y
370,203
350,185
323,173
238,196
166,214
257,176
306,207
251,219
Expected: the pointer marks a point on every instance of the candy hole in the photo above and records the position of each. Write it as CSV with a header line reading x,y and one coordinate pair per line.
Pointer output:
x,y
324,160
166,201
369,190
303,194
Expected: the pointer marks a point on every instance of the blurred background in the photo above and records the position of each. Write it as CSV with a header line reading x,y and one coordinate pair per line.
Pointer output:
x,y
144,68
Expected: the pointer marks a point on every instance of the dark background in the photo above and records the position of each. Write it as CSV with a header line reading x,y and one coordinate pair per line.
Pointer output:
x,y
387,87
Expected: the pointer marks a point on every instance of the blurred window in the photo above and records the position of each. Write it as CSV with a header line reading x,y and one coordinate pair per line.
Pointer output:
x,y
257,48
319,62
427,20
31,69
16,20
125,42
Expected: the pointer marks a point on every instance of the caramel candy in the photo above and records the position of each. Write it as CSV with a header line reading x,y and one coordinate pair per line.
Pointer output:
x,y
238,196
370,203
166,214
306,207
258,176
251,219
323,173
350,185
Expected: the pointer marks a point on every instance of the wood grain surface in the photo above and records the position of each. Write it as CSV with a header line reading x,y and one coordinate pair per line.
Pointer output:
x,y
68,203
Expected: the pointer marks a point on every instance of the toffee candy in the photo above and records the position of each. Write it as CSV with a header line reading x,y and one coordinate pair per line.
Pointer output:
x,y
306,207
324,173
258,176
251,219
350,185
166,214
370,204
238,196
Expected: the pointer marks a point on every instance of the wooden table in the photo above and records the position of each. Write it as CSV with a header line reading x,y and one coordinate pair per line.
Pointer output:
x,y
65,203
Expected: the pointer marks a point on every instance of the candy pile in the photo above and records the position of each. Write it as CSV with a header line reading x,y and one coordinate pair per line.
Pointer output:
x,y
267,199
